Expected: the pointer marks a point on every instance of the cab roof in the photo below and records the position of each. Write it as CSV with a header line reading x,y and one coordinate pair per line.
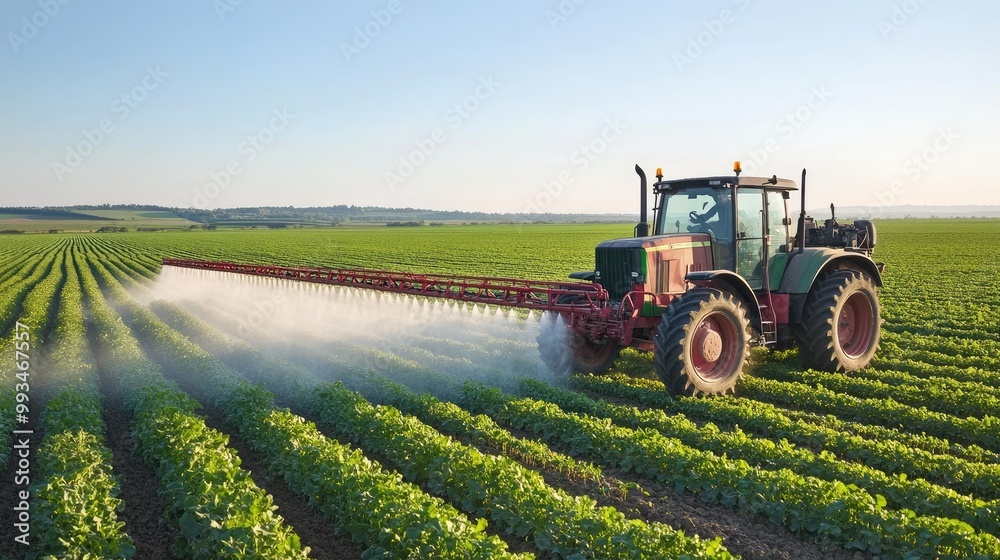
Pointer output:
x,y
773,184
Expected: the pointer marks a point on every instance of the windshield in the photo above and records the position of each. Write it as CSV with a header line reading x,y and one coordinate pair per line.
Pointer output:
x,y
702,210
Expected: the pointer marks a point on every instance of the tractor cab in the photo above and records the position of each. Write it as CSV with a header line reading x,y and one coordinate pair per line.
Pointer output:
x,y
746,219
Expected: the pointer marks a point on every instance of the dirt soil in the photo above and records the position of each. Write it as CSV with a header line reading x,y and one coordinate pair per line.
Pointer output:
x,y
144,510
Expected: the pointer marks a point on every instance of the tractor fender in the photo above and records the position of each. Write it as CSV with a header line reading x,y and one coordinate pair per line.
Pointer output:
x,y
804,268
587,275
730,282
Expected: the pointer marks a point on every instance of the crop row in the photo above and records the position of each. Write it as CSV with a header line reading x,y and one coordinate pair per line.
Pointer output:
x,y
952,399
375,507
127,271
518,499
960,527
857,416
515,497
126,255
76,498
938,500
968,351
213,503
900,492
445,417
886,412
451,419
13,270
907,364
34,294
842,513
889,452
17,286
391,362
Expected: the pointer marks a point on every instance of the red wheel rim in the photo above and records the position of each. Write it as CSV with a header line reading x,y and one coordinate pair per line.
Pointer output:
x,y
855,325
589,354
715,347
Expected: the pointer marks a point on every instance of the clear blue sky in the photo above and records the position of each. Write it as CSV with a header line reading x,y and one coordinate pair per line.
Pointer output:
x,y
305,111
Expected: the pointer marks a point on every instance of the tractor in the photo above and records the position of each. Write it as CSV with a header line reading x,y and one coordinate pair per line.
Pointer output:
x,y
720,273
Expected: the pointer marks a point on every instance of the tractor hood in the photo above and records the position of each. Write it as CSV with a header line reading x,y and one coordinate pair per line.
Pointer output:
x,y
655,264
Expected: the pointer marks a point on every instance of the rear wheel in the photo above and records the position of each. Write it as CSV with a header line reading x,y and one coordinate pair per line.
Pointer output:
x,y
594,357
702,343
841,323
563,350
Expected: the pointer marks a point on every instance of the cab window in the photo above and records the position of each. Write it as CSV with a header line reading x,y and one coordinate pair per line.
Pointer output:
x,y
750,251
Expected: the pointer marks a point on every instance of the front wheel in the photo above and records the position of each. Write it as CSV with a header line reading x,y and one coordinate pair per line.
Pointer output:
x,y
841,323
702,343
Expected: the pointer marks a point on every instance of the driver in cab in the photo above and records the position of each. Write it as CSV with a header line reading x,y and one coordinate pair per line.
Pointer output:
x,y
717,220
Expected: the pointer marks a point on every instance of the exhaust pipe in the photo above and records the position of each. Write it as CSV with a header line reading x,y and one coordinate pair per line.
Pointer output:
x,y
802,216
642,229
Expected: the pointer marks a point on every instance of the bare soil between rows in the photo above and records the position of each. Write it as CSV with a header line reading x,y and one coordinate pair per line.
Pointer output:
x,y
143,514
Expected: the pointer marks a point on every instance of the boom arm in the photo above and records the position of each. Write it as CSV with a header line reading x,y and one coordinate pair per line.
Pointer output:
x,y
587,298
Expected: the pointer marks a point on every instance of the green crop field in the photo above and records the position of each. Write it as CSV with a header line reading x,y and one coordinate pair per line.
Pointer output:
x,y
142,417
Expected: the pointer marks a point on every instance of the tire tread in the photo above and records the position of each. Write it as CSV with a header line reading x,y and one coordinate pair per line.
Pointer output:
x,y
816,344
672,332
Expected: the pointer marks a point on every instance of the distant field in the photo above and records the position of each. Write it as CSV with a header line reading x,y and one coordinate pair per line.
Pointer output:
x,y
161,217
34,225
66,222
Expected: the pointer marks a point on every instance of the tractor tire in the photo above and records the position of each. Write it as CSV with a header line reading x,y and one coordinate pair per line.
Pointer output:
x,y
841,323
702,343
567,352
594,357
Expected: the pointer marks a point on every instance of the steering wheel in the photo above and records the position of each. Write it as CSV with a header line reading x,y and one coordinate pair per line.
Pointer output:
x,y
696,218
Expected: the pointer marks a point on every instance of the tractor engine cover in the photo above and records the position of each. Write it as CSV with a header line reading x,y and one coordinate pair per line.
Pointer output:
x,y
656,265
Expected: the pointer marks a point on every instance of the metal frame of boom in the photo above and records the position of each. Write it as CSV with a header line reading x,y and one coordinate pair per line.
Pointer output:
x,y
590,301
